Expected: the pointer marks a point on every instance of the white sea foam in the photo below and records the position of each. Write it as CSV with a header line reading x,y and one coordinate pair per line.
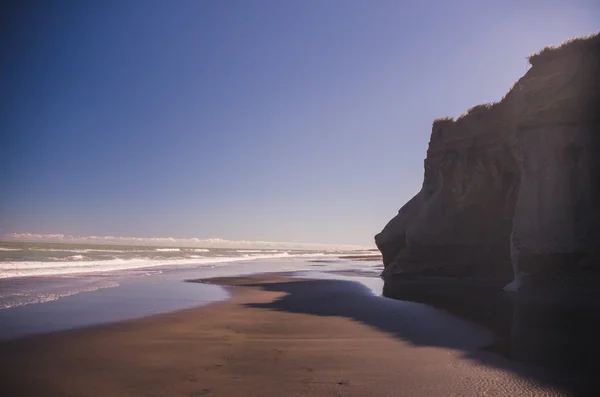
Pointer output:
x,y
9,249
200,250
37,268
53,260
56,250
167,249
170,241
113,251
361,253
22,299
256,251
86,250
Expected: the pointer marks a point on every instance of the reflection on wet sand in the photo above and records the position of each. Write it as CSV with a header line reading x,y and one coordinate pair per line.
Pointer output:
x,y
560,332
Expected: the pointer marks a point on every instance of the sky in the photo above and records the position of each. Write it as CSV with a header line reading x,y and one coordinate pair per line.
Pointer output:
x,y
302,121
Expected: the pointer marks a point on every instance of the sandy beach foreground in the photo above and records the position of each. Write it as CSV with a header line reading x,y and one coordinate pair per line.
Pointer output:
x,y
276,336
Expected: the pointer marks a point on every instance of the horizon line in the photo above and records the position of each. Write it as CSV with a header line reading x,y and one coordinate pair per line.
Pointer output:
x,y
193,242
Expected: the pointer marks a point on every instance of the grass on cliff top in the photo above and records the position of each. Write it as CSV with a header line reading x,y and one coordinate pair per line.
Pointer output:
x,y
440,121
574,46
477,109
557,109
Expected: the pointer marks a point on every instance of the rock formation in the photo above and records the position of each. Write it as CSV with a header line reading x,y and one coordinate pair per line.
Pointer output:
x,y
511,190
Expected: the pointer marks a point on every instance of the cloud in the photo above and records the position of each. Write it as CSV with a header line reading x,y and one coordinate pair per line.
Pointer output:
x,y
170,241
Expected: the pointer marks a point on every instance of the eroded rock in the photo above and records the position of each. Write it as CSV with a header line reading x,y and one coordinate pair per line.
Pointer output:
x,y
511,191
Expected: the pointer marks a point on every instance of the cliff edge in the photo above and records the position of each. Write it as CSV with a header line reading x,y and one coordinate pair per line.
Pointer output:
x,y
511,190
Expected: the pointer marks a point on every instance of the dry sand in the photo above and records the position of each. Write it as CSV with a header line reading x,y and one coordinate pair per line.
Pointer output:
x,y
275,337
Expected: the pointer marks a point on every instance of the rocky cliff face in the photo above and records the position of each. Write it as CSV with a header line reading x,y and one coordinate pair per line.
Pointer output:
x,y
511,190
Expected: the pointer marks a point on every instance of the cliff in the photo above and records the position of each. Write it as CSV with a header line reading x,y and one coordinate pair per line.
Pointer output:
x,y
511,190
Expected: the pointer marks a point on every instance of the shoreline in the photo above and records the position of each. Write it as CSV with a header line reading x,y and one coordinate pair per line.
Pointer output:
x,y
276,336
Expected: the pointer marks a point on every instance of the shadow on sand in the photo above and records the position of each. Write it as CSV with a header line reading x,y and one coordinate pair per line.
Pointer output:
x,y
548,343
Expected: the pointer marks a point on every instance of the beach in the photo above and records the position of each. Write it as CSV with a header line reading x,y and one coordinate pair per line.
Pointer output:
x,y
294,198
277,336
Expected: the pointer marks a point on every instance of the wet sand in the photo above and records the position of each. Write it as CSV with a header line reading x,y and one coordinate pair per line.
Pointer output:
x,y
276,337
375,257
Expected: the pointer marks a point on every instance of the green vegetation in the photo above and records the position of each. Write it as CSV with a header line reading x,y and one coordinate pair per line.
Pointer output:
x,y
481,107
576,46
440,121
564,93
478,110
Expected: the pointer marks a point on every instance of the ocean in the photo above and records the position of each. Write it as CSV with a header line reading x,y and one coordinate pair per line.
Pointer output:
x,y
46,286
31,259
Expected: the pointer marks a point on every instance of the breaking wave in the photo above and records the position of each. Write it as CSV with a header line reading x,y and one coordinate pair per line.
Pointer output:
x,y
76,264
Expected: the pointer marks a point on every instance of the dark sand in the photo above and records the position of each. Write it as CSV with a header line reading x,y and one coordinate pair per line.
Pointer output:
x,y
275,337
378,258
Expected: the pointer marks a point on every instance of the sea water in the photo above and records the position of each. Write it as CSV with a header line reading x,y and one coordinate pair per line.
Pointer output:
x,y
48,287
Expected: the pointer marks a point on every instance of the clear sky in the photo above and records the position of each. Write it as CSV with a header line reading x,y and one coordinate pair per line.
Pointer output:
x,y
245,120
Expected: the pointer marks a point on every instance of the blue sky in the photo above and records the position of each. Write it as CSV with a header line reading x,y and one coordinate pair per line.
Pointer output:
x,y
244,120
